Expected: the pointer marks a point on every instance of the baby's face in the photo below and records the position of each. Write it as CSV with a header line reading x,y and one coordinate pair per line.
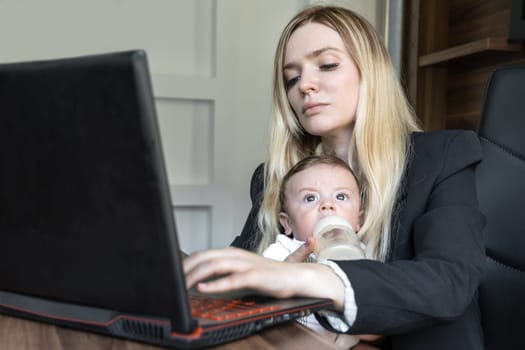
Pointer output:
x,y
317,192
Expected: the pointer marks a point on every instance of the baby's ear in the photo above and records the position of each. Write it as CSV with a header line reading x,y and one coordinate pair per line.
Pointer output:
x,y
361,220
284,219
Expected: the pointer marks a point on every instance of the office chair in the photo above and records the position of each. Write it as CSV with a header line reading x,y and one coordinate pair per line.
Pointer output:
x,y
500,181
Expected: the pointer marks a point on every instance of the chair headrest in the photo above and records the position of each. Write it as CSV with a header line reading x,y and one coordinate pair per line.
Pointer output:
x,y
502,119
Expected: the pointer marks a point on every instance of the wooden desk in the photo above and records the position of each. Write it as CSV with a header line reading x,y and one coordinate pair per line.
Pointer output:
x,y
21,334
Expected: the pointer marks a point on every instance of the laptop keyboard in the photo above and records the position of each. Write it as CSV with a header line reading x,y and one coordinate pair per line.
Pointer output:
x,y
220,309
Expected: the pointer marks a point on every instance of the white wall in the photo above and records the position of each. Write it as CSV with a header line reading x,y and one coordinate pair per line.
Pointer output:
x,y
211,64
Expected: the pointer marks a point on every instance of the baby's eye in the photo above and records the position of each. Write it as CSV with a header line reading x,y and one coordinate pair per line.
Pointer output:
x,y
341,196
310,198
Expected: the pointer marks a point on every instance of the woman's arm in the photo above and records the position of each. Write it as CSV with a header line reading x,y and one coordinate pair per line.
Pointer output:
x,y
239,269
438,253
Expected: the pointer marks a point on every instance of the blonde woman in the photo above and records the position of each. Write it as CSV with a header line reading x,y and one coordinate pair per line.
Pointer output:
x,y
335,92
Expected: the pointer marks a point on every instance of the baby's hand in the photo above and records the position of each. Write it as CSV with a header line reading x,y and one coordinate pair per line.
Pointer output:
x,y
303,252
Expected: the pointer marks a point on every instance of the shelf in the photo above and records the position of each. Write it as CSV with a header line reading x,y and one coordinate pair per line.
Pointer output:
x,y
472,48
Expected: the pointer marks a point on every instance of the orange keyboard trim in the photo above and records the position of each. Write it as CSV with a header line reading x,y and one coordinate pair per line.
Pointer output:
x,y
220,310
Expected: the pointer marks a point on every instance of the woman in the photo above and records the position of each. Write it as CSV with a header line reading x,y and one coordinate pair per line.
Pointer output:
x,y
335,92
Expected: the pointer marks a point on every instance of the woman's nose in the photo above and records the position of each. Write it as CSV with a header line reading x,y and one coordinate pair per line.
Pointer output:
x,y
308,82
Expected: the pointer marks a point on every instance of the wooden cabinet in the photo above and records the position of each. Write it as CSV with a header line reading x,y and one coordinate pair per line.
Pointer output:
x,y
451,47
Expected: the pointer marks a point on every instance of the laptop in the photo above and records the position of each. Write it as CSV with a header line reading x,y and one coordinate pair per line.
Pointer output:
x,y
87,232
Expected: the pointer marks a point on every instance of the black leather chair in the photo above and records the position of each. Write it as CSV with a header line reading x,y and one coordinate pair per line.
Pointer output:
x,y
501,188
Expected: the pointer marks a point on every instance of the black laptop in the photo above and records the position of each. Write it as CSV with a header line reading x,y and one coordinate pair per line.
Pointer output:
x,y
87,233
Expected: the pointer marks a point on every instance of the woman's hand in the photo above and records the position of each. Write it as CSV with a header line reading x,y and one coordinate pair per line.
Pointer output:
x,y
240,269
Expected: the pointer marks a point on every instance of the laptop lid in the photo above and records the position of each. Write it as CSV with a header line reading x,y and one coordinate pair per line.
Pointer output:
x,y
86,222
83,196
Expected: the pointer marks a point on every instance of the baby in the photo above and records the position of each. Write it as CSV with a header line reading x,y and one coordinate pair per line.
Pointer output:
x,y
319,194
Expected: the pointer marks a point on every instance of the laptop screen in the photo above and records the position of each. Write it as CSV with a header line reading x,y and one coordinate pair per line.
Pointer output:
x,y
84,199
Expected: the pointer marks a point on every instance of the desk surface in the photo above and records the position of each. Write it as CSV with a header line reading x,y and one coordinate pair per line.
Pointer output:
x,y
23,334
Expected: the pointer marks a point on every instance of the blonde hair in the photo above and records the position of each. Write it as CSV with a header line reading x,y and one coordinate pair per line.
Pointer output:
x,y
381,139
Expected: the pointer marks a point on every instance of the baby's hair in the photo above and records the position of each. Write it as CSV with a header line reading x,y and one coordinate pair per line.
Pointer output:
x,y
308,162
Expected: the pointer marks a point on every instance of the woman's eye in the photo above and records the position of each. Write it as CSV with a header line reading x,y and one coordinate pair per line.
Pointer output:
x,y
328,66
310,198
341,196
291,82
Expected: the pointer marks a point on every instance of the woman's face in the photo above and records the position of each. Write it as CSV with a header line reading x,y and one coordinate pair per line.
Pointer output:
x,y
322,81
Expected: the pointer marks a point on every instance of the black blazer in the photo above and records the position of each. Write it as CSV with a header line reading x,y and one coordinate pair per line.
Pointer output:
x,y
425,296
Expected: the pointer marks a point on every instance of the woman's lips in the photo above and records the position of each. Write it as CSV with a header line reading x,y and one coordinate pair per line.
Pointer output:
x,y
313,107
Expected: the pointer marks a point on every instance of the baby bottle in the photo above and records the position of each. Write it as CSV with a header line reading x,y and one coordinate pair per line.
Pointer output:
x,y
335,239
